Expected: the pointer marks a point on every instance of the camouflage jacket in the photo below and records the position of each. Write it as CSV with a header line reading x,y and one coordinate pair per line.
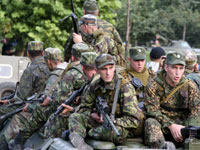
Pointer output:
x,y
54,75
183,107
195,76
32,79
73,80
127,112
108,29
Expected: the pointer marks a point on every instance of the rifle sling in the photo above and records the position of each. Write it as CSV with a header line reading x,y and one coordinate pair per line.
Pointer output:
x,y
58,79
173,92
115,99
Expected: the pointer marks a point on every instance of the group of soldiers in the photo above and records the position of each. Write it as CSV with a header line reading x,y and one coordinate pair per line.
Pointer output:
x,y
141,102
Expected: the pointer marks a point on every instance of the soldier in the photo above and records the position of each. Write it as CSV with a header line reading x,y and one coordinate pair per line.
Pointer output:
x,y
87,121
95,39
33,77
72,80
172,102
191,69
138,69
60,123
91,7
53,57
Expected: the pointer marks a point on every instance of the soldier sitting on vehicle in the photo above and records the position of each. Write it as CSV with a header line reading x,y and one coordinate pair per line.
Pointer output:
x,y
127,117
30,83
172,102
91,7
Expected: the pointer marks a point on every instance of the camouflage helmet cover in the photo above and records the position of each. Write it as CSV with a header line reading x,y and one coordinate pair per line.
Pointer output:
x,y
79,48
90,5
35,46
88,59
175,58
53,54
103,60
137,53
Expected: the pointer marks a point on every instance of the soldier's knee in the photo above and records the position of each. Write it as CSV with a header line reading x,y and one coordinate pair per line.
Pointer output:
x,y
151,121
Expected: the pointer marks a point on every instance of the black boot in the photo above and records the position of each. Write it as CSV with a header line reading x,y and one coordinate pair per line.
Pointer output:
x,y
17,143
3,143
65,135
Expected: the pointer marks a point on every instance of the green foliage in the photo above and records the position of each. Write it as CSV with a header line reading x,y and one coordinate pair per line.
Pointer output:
x,y
28,20
165,17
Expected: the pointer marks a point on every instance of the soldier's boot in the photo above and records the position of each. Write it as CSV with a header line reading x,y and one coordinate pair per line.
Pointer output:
x,y
169,145
78,142
3,143
17,143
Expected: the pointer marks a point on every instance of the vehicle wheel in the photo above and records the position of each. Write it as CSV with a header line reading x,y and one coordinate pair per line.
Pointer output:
x,y
7,88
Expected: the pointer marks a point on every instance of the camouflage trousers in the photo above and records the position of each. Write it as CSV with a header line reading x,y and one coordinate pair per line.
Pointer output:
x,y
37,120
85,126
6,109
56,126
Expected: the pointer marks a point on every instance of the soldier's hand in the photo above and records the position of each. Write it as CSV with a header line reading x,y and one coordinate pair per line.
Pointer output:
x,y
46,101
4,102
67,109
25,108
175,130
77,38
96,117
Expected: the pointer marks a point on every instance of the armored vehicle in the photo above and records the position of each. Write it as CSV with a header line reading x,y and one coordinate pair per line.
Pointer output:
x,y
11,69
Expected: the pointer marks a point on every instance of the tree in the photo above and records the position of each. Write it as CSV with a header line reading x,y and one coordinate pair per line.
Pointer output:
x,y
28,20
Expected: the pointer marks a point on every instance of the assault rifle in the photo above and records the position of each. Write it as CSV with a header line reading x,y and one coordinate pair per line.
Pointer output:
x,y
29,100
74,19
103,108
68,101
191,132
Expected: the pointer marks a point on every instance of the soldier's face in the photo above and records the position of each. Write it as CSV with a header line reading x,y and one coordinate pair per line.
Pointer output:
x,y
89,72
107,72
137,65
174,73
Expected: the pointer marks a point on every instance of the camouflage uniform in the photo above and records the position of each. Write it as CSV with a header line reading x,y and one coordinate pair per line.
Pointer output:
x,y
108,29
60,122
127,112
182,107
191,61
72,80
31,82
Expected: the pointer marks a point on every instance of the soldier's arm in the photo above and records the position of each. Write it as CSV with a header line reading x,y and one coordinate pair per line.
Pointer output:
x,y
68,47
152,105
131,112
194,105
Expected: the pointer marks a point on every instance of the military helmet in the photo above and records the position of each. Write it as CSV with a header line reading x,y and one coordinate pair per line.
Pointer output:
x,y
137,53
104,59
88,59
89,20
53,54
175,58
35,46
90,5
79,48
191,58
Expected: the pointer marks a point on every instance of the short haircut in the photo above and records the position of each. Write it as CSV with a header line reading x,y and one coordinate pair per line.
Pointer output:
x,y
35,53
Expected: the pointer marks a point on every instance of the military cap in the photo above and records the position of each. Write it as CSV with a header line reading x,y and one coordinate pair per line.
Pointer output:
x,y
35,46
137,53
104,59
79,48
88,59
89,20
191,58
175,58
53,54
90,5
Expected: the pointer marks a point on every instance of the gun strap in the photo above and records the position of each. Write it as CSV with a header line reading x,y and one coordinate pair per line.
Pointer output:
x,y
174,91
115,99
58,79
